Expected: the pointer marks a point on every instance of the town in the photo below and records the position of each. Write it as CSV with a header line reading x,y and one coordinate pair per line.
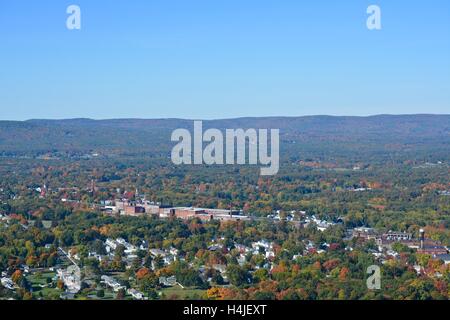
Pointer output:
x,y
138,269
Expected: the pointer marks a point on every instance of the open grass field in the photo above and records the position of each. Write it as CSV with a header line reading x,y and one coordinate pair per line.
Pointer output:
x,y
180,293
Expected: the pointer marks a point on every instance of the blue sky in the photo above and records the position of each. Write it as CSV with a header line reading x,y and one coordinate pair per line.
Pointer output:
x,y
222,58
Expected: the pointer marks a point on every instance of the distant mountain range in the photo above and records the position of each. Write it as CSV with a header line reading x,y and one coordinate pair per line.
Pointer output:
x,y
314,135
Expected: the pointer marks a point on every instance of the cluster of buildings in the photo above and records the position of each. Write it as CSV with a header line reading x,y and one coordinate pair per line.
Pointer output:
x,y
289,217
71,278
129,249
168,256
321,225
421,244
131,252
262,247
142,207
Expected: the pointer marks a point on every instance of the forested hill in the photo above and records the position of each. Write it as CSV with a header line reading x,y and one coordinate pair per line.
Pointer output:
x,y
314,135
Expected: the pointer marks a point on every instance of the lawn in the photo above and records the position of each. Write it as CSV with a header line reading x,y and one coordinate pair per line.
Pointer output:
x,y
181,293
40,278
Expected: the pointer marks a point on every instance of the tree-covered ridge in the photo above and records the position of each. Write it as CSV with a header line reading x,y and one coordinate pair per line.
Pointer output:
x,y
301,137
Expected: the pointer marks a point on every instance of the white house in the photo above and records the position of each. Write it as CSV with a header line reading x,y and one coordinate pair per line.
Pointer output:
x,y
113,283
135,294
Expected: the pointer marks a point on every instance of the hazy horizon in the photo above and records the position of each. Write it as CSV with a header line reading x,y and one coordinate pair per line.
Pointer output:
x,y
230,118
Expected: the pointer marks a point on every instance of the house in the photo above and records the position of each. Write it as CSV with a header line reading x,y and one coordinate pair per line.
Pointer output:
x,y
157,252
143,246
360,189
136,294
418,269
309,245
111,282
266,245
122,241
168,281
110,244
168,259
215,247
113,244
242,248
71,278
109,209
96,256
392,253
321,225
377,255
241,259
7,283
47,224
25,268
